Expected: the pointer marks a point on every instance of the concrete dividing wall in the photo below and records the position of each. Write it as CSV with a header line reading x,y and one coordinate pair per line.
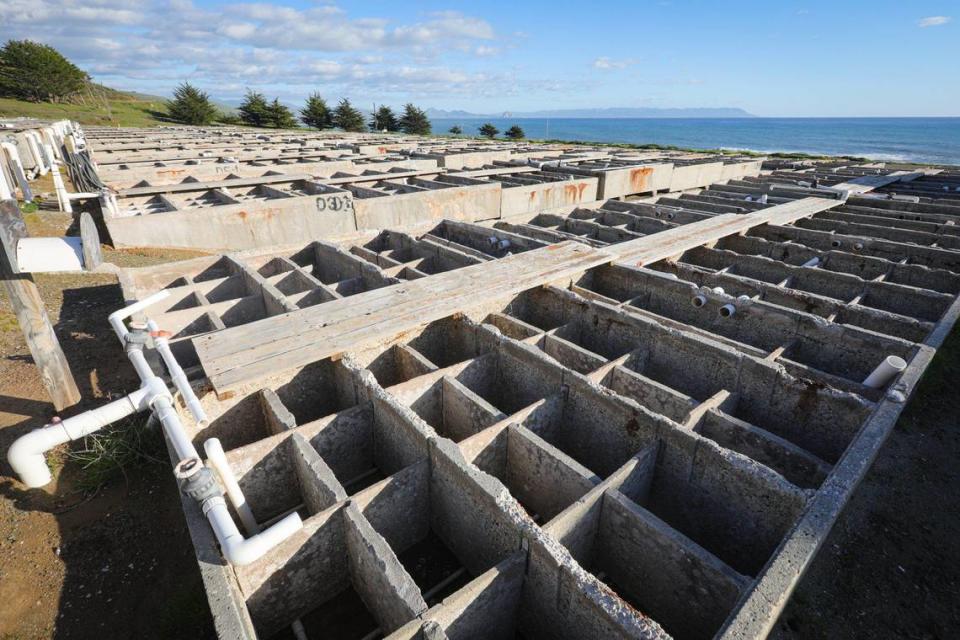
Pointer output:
x,y
282,221
533,198
695,174
238,226
458,160
174,173
476,202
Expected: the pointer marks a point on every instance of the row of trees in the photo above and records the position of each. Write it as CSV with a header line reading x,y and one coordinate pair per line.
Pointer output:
x,y
487,130
190,105
318,115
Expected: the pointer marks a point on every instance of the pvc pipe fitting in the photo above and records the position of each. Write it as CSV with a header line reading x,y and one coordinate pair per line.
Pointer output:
x,y
26,454
728,310
179,378
117,317
699,300
718,290
885,372
217,459
812,262
835,243
237,550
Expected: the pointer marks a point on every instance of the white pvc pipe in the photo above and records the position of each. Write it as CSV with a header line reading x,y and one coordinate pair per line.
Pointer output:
x,y
62,196
699,300
885,372
812,262
43,255
117,317
237,550
179,378
217,459
728,310
26,454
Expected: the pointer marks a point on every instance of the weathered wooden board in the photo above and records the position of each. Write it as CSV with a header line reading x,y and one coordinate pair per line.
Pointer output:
x,y
241,354
286,341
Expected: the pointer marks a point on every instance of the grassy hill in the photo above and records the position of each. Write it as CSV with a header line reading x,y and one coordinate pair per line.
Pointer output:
x,y
103,106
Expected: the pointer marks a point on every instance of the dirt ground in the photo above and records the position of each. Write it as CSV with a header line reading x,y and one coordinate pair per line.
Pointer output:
x,y
117,562
75,562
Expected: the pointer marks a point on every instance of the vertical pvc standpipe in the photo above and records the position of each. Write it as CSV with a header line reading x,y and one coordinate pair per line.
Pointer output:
x,y
180,381
217,459
885,372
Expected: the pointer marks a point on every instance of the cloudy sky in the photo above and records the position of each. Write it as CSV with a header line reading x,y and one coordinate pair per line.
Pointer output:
x,y
867,58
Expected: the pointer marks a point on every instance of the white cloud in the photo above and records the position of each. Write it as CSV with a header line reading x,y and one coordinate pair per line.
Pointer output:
x,y
933,21
143,45
603,62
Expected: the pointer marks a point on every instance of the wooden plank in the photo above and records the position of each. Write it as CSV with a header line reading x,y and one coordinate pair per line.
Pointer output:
x,y
659,246
34,322
248,352
863,184
241,354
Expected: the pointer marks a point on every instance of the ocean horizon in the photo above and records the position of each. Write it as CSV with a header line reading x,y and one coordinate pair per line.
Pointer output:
x,y
927,140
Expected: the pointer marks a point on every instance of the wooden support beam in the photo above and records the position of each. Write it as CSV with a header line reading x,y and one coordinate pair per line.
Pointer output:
x,y
31,314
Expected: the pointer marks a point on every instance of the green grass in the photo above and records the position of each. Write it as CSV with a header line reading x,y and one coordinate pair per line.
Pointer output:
x,y
116,110
122,446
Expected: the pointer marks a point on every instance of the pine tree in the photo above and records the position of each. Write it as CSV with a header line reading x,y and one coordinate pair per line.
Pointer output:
x,y
348,118
315,113
191,106
414,121
254,110
35,72
456,130
279,116
515,133
384,118
489,130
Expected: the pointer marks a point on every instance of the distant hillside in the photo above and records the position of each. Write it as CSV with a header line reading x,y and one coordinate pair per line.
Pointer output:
x,y
102,106
612,112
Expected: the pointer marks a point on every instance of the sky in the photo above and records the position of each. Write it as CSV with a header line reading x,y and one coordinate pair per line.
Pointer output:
x,y
784,58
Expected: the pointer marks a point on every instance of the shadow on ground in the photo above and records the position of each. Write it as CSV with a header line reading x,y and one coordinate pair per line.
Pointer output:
x,y
116,562
891,566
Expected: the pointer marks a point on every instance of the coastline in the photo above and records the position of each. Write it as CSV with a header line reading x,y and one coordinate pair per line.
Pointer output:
x,y
929,141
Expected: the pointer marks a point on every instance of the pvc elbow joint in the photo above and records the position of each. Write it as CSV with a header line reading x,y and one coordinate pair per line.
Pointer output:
x,y
26,454
239,551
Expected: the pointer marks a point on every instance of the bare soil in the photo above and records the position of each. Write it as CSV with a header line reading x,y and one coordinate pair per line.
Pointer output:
x,y
114,562
118,563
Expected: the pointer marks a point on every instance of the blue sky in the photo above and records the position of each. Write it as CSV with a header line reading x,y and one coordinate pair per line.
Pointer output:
x,y
835,58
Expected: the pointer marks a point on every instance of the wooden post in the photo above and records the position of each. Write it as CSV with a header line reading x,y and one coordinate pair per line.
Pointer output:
x,y
31,314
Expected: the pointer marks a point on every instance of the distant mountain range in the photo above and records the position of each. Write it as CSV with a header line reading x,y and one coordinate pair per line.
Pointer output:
x,y
612,112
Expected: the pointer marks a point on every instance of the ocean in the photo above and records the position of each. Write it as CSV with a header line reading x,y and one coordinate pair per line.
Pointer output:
x,y
931,140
